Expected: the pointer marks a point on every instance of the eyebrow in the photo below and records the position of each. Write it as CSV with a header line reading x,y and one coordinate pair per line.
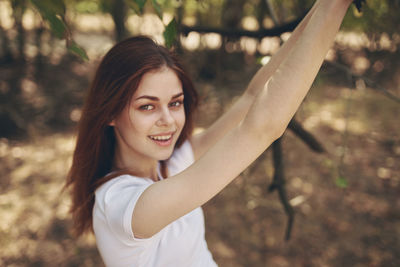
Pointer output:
x,y
154,98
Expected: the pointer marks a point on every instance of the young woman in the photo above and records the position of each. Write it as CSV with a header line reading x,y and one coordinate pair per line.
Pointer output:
x,y
139,177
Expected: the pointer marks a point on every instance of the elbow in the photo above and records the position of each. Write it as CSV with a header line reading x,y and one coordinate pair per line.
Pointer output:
x,y
277,130
278,133
266,130
280,128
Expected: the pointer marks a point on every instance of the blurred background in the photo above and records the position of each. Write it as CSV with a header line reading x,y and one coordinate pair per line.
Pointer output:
x,y
337,167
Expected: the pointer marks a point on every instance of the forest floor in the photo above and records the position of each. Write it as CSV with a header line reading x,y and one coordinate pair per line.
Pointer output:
x,y
347,209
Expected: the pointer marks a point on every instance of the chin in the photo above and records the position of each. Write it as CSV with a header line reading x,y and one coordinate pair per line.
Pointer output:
x,y
164,155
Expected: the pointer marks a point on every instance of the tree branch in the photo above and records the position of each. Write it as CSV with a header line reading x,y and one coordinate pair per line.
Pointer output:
x,y
305,136
278,184
276,31
371,84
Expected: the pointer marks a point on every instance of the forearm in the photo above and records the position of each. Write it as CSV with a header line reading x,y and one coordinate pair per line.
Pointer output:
x,y
264,73
167,200
161,203
282,94
239,110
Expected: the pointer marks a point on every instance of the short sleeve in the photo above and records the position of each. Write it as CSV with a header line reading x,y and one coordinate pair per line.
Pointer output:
x,y
182,158
117,199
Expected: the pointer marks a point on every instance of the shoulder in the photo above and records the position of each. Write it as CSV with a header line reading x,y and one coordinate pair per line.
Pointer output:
x,y
182,158
122,181
184,151
115,201
120,187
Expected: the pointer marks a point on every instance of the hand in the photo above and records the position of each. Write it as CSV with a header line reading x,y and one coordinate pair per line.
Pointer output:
x,y
359,4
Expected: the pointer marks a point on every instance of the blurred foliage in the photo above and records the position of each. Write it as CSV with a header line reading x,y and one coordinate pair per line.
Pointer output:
x,y
341,182
87,6
378,15
44,94
170,33
53,11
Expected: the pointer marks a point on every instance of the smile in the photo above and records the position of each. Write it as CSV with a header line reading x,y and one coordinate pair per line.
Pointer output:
x,y
162,139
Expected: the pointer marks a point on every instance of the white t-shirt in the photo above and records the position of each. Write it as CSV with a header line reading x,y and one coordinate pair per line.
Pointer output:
x,y
179,244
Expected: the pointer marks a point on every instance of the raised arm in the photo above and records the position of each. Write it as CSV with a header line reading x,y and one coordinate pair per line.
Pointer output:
x,y
206,139
167,200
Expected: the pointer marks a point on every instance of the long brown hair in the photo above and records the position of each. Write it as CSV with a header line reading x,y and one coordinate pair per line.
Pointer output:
x,y
117,78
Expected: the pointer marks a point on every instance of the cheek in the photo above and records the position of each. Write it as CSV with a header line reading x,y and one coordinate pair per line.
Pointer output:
x,y
142,123
181,118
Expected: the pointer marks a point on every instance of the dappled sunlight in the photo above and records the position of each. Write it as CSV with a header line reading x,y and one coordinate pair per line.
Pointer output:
x,y
353,40
32,202
5,14
360,65
224,250
249,45
358,41
212,40
328,115
93,23
355,111
35,221
96,45
335,224
269,45
191,42
250,23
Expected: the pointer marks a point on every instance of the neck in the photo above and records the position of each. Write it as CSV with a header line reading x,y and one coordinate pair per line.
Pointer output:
x,y
139,166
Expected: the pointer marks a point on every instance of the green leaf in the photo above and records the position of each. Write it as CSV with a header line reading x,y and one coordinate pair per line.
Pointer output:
x,y
341,182
53,12
170,33
76,49
57,25
56,7
137,5
157,8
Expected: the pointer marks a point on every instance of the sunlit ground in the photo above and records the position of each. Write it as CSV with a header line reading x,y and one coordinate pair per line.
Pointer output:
x,y
34,210
350,224
330,220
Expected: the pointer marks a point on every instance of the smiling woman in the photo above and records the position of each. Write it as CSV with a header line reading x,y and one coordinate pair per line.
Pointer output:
x,y
139,177
148,128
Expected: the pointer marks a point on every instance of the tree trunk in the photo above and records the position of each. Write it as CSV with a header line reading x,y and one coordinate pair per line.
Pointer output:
x,y
118,13
6,55
39,59
18,12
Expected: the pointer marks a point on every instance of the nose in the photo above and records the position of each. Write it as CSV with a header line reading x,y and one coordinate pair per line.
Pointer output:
x,y
165,118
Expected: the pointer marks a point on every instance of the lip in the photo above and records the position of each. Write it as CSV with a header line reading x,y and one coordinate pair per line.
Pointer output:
x,y
162,143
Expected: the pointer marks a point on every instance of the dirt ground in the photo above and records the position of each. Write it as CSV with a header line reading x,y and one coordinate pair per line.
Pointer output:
x,y
346,200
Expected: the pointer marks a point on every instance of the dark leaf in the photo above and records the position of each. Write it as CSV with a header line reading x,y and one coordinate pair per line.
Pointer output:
x,y
53,12
157,8
359,4
76,49
341,182
137,5
170,33
56,7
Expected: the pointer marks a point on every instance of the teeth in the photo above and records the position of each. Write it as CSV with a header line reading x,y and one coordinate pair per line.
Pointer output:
x,y
161,137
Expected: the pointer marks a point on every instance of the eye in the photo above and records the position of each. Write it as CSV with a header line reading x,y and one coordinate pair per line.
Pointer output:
x,y
176,104
146,107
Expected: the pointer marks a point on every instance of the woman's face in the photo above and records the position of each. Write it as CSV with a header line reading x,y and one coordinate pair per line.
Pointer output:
x,y
151,123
